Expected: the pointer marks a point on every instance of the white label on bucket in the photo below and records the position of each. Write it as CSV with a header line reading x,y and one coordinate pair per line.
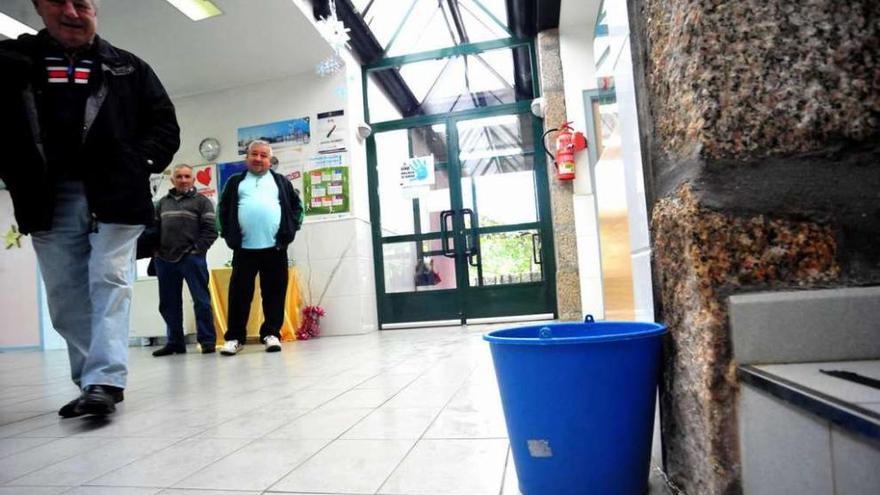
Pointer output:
x,y
540,448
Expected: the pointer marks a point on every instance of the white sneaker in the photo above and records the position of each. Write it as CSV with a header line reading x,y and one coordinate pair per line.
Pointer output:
x,y
272,343
230,348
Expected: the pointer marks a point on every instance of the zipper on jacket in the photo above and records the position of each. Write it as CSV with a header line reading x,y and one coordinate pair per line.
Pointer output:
x,y
93,224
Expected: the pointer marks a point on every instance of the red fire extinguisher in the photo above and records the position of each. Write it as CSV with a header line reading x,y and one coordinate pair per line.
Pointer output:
x,y
568,142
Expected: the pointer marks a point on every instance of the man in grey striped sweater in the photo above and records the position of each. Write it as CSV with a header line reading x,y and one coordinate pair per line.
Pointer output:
x,y
186,224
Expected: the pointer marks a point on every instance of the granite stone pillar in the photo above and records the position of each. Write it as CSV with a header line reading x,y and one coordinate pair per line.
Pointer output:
x,y
568,295
760,124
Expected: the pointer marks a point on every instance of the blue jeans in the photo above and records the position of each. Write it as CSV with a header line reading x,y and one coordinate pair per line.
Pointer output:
x,y
194,269
88,271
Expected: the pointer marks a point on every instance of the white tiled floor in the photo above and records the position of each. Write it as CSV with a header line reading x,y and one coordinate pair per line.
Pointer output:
x,y
407,412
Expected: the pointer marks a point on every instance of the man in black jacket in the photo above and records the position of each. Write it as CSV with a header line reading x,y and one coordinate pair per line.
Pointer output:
x,y
83,125
259,215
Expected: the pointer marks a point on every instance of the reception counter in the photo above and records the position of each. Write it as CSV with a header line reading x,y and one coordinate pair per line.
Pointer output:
x,y
219,288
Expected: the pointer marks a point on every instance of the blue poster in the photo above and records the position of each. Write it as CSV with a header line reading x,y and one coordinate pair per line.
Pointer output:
x,y
227,170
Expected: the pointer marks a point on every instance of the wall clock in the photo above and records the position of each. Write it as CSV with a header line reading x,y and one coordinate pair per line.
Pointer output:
x,y
209,148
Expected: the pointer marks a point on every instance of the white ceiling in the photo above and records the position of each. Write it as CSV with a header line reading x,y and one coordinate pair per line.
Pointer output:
x,y
252,41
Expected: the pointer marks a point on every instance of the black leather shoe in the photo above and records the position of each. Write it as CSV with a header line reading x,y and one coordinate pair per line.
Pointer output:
x,y
72,409
209,349
168,350
99,400
69,410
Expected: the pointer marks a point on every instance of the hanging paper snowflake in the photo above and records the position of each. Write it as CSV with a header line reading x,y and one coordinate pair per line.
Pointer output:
x,y
329,66
335,34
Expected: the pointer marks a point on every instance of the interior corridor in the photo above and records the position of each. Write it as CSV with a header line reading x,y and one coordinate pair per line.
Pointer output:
x,y
413,412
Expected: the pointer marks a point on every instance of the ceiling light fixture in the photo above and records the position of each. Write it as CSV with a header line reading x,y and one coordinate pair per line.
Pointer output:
x,y
196,10
12,29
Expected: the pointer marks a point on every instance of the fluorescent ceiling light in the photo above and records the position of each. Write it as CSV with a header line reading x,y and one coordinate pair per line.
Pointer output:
x,y
196,9
11,28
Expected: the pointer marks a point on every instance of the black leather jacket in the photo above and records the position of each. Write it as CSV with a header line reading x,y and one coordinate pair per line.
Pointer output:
x,y
129,131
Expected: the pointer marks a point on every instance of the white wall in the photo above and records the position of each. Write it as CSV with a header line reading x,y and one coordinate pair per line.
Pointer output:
x,y
639,238
321,246
576,50
578,68
19,306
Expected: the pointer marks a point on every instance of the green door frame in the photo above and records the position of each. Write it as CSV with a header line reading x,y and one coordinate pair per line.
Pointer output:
x,y
465,301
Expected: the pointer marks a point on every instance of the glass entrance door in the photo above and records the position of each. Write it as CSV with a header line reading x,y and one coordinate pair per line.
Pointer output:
x,y
471,238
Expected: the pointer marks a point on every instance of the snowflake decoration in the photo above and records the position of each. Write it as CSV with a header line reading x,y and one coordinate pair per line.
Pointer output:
x,y
329,66
335,34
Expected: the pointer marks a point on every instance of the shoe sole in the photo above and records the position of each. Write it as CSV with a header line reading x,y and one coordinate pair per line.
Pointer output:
x,y
75,411
229,353
96,408
169,353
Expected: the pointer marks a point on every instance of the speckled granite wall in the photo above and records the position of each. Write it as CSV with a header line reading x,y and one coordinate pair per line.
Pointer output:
x,y
568,295
760,126
700,257
752,76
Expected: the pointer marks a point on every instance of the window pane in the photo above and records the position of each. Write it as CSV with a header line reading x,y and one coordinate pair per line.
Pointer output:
x,y
411,210
407,271
411,26
461,82
507,258
497,169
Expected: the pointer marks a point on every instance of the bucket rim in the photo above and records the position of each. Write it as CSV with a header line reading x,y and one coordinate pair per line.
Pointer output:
x,y
651,329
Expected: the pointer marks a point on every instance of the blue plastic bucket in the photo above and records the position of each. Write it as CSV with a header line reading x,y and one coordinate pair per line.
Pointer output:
x,y
579,403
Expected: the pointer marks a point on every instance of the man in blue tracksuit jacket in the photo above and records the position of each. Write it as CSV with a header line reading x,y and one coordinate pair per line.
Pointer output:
x,y
259,215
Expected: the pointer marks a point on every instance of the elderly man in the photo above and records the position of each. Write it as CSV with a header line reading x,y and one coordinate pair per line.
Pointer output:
x,y
259,216
185,221
84,124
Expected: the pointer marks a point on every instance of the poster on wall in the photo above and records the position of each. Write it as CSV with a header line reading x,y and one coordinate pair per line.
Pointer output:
x,y
291,164
331,131
282,134
326,186
205,181
227,170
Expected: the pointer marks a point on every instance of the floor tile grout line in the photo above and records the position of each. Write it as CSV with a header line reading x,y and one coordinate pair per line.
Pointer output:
x,y
339,437
261,437
422,436
99,444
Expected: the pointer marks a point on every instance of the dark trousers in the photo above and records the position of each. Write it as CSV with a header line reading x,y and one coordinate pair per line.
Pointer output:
x,y
271,265
194,269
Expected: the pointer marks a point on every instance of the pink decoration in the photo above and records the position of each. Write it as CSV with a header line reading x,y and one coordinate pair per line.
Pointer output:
x,y
310,326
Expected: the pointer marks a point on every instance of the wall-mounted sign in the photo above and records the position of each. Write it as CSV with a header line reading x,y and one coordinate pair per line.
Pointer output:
x,y
326,188
417,171
332,132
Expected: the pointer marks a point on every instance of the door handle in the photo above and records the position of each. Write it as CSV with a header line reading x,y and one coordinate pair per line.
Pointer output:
x,y
445,215
536,251
472,245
